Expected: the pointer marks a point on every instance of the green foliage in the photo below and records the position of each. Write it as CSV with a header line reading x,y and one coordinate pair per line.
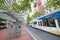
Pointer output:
x,y
36,14
15,7
52,4
3,6
23,6
28,19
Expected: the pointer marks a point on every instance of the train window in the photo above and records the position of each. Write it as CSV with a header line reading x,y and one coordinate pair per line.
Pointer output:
x,y
40,23
45,23
35,22
51,22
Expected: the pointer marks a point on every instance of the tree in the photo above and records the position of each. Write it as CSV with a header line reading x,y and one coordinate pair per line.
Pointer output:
x,y
52,4
37,14
22,6
28,19
35,4
3,6
15,7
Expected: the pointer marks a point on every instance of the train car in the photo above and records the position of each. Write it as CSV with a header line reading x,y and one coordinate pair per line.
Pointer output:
x,y
49,23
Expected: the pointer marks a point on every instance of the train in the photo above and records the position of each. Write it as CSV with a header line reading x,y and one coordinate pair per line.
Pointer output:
x,y
49,23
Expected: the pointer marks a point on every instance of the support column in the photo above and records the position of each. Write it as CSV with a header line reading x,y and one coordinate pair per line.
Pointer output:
x,y
56,22
37,23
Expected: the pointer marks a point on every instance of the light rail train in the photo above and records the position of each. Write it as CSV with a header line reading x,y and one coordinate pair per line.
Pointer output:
x,y
49,23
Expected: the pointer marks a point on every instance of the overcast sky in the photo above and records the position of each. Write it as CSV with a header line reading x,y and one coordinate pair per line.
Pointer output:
x,y
43,1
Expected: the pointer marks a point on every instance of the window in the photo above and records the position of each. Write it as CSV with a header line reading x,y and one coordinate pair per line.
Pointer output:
x,y
40,23
51,22
45,23
35,22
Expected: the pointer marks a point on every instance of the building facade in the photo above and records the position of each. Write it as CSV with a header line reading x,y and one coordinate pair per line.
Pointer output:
x,y
8,2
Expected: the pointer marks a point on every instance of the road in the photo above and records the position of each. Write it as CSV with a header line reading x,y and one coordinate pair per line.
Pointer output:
x,y
41,35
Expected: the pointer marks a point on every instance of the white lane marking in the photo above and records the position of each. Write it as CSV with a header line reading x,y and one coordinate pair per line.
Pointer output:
x,y
33,35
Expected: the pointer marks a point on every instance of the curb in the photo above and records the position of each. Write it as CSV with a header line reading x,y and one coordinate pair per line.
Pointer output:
x,y
47,32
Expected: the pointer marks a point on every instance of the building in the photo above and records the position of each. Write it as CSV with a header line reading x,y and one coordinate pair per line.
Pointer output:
x,y
8,2
40,6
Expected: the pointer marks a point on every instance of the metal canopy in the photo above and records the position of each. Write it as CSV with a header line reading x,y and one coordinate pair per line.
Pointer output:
x,y
19,16
11,16
5,16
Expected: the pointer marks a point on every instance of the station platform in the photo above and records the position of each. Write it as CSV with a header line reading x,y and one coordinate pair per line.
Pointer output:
x,y
23,36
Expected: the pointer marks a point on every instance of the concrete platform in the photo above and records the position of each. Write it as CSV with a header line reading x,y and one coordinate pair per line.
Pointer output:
x,y
24,35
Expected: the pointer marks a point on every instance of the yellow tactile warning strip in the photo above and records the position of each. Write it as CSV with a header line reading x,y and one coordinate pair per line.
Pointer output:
x,y
54,32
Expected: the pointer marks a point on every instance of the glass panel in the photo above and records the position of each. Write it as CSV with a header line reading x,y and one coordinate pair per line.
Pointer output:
x,y
51,22
45,23
40,23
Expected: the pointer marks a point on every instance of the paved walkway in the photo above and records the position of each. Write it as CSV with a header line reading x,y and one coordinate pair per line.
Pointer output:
x,y
3,34
24,35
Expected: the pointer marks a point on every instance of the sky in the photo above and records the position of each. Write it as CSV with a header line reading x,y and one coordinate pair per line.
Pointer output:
x,y
43,1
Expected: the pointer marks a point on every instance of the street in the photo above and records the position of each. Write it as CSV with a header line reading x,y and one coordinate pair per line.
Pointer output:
x,y
41,35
